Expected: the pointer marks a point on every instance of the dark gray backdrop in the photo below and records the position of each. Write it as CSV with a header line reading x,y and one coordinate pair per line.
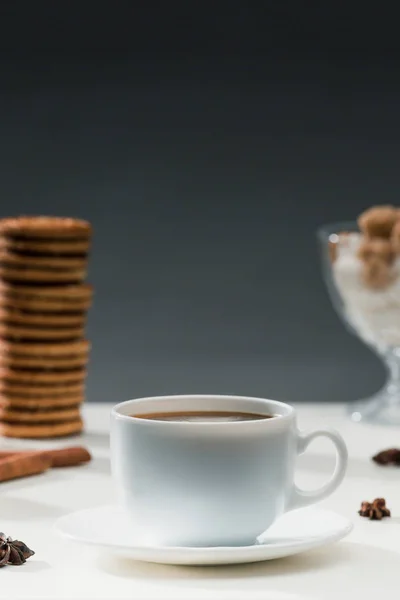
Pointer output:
x,y
205,167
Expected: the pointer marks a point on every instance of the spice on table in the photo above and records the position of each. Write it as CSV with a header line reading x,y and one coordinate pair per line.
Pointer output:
x,y
68,457
374,511
59,457
388,457
13,552
23,465
15,464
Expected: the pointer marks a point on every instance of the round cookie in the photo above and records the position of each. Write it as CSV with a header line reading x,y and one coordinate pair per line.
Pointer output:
x,y
37,416
13,315
32,362
35,378
42,262
48,430
64,349
50,247
46,305
12,402
82,291
21,332
13,389
46,298
45,227
14,274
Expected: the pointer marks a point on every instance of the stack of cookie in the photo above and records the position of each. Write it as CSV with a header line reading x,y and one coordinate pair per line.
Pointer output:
x,y
43,305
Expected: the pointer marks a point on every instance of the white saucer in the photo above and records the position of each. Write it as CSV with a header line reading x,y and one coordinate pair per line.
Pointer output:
x,y
297,531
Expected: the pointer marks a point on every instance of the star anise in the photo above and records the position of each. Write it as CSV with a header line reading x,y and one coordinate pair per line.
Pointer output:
x,y
375,511
388,457
13,552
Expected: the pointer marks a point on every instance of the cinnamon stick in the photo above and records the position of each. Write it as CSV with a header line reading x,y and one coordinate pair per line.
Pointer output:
x,y
7,453
23,465
15,464
59,457
67,457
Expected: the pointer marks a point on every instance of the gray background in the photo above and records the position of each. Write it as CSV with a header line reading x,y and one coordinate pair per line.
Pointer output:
x,y
205,161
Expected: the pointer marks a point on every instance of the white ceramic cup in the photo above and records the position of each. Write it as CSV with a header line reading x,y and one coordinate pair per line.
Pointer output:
x,y
211,483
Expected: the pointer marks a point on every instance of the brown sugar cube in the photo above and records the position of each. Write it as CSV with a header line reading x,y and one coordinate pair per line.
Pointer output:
x,y
332,250
379,248
376,274
333,244
395,238
378,221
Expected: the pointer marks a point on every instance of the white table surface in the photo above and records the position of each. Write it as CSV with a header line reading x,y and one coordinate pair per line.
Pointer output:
x,y
367,561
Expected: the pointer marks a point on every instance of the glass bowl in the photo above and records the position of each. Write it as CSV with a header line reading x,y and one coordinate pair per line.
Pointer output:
x,y
370,309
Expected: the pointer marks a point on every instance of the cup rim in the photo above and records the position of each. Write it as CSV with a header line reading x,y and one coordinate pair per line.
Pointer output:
x,y
287,411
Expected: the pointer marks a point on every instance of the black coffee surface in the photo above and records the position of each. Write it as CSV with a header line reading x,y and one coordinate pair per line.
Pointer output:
x,y
204,416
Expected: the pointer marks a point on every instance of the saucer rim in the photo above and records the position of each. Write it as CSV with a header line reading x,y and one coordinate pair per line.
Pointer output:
x,y
255,549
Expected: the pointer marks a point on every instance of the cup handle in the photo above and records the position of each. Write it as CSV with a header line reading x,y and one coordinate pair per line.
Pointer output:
x,y
298,497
